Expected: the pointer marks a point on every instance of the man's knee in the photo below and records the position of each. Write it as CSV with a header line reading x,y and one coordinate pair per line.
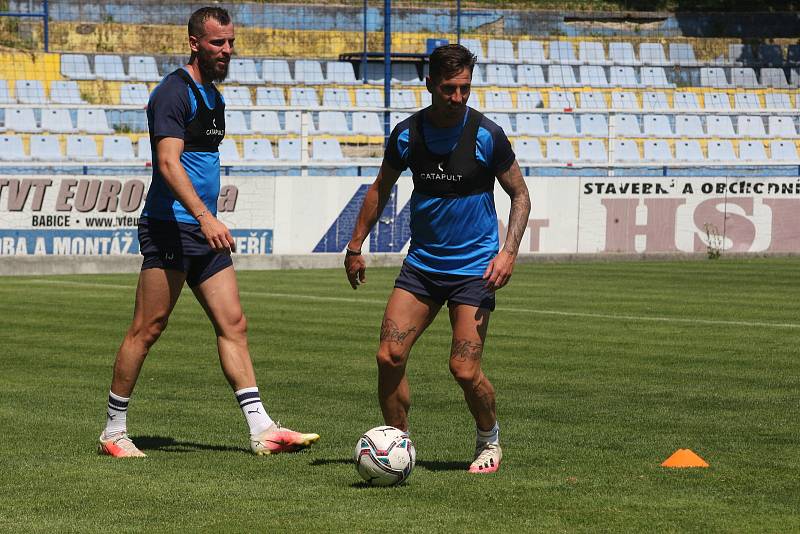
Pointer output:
x,y
147,331
467,375
391,357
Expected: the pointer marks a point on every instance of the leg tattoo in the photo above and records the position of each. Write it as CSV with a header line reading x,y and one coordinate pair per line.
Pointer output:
x,y
391,333
464,350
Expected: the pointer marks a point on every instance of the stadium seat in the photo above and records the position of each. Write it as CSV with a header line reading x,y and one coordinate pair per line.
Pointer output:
x,y
237,95
406,74
289,149
746,101
657,151
775,78
592,151
65,92
770,55
326,150
270,96
623,77
369,98
133,94
5,94
716,101
689,126
530,76
93,121
30,92
404,98
501,51
21,120
592,53
118,148
341,73
781,127
625,151
794,77
76,67
594,125
12,149
143,149
143,69
752,151
741,54
531,52
653,54
109,67
561,76
688,152
503,120
681,100
654,77
561,100
242,70
375,73
229,152
744,77
57,121
265,122
529,100
528,150
721,151
750,126
276,71
561,125
500,75
719,126
682,54
714,77
530,124
336,98
292,121
477,77
784,151
560,151
592,76
593,100
562,52
81,148
235,123
623,100
656,126
498,100
46,148
303,97
626,125
396,117
333,122
257,150
474,46
367,123
654,101
622,54
308,71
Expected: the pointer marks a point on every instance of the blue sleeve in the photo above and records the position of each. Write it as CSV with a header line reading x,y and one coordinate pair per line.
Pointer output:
x,y
170,108
493,147
397,148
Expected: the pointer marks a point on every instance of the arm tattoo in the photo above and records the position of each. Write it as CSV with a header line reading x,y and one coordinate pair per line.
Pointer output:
x,y
391,333
464,350
517,222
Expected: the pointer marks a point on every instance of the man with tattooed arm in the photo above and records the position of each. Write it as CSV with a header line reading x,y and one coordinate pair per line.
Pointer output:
x,y
454,154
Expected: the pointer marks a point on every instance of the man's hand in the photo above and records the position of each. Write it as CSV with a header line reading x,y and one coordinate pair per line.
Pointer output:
x,y
217,234
356,269
498,273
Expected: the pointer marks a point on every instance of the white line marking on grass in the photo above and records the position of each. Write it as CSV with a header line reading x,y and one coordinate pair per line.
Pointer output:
x,y
587,315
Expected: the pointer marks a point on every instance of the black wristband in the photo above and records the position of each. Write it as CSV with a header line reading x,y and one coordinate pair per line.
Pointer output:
x,y
349,252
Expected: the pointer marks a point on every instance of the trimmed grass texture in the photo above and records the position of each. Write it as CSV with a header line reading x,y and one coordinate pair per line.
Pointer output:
x,y
602,371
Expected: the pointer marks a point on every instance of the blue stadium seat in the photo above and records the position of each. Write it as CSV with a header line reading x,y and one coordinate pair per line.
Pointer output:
x,y
406,74
477,76
746,101
689,126
236,123
531,52
46,148
563,53
237,95
625,151
143,69
560,151
562,125
654,77
688,152
750,126
593,100
783,151
741,54
118,148
627,125
657,126
500,75
716,101
744,77
243,70
369,98
396,117
719,126
622,54
367,123
404,98
682,54
499,100
21,120
714,77
593,125
81,148
529,100
592,76
592,151
623,100
289,149
340,72
276,71
133,94
333,122
561,100
653,54
654,101
592,53
657,151
292,122
30,92
623,77
781,127
65,92
109,67
474,46
337,98
531,76
775,78
265,122
304,97
309,72
683,100
528,150
503,121
721,151
501,51
326,150
76,67
530,124
57,121
143,149
561,76
229,152
752,151
12,149
270,96
257,150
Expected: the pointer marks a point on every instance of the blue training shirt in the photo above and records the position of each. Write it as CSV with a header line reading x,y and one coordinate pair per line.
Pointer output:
x,y
171,107
453,235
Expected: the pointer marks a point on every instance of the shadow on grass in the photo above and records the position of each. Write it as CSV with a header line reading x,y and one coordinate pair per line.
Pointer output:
x,y
428,465
161,443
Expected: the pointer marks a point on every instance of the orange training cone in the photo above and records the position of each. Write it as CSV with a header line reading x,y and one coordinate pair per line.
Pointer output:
x,y
684,458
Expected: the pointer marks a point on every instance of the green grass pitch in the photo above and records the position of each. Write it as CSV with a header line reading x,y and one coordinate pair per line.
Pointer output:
x,y
602,371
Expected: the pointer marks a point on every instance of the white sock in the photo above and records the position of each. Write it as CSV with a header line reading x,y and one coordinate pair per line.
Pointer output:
x,y
116,414
489,436
250,402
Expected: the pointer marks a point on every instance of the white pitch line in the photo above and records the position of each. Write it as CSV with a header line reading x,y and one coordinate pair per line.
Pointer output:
x,y
587,315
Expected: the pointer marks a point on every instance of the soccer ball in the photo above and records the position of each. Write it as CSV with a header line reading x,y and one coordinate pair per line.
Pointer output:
x,y
385,456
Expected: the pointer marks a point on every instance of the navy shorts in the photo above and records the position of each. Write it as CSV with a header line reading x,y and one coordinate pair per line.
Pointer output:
x,y
179,247
450,288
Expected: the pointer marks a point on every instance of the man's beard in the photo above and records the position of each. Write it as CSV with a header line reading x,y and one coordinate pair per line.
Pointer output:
x,y
209,69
